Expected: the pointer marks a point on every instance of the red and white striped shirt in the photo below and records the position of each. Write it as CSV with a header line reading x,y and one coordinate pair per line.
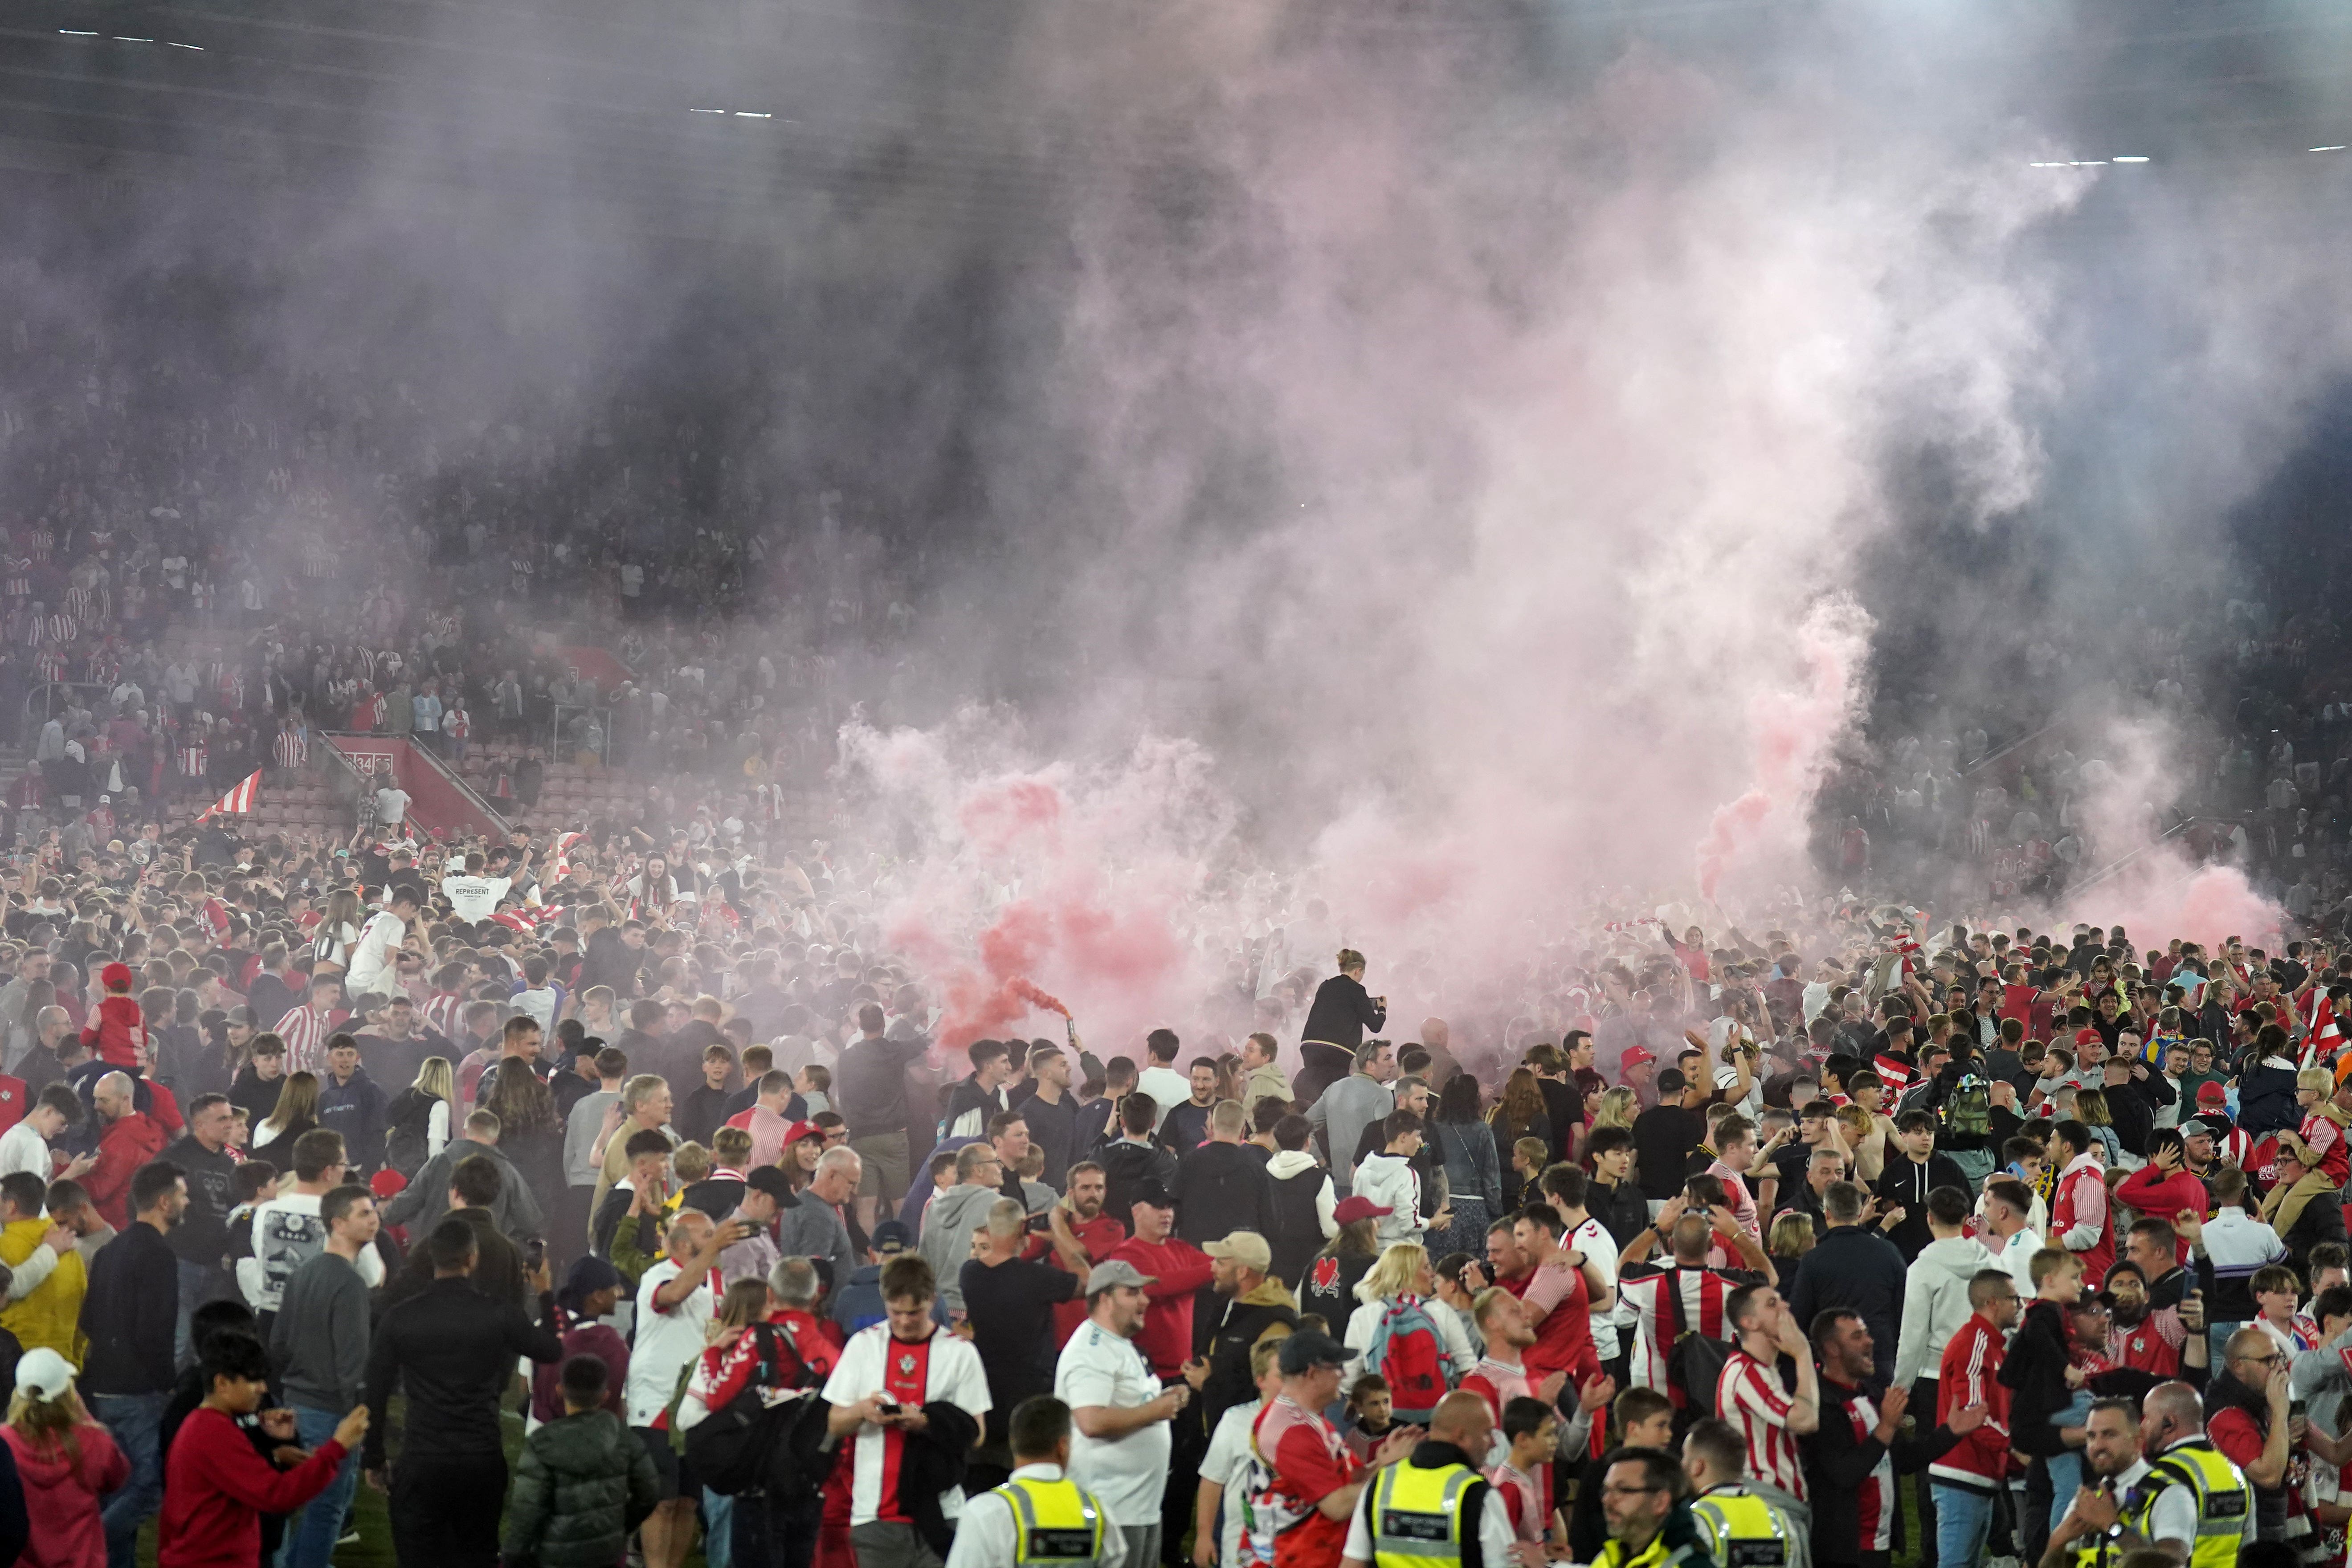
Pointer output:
x,y
1704,1292
293,748
1753,1400
305,1032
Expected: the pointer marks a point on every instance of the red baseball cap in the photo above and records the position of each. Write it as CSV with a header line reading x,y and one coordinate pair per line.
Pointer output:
x,y
115,977
387,1182
2213,1094
1636,1056
2085,1036
1350,1210
799,1129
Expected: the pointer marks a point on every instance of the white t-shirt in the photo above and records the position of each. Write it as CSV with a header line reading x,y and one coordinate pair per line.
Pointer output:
x,y
667,1342
1228,1463
1600,1249
1168,1089
372,954
391,805
954,1375
22,1149
1128,1474
474,898
288,1233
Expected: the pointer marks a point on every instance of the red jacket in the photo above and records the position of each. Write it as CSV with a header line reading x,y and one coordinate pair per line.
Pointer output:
x,y
1970,1374
2161,1197
215,1489
123,1148
62,1497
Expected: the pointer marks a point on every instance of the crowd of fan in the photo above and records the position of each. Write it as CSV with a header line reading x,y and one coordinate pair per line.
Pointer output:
x,y
2006,1213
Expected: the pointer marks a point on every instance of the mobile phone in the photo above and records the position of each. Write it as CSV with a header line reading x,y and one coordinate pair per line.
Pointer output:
x,y
886,1405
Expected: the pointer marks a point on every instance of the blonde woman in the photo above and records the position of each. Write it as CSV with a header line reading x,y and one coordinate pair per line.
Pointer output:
x,y
1792,1237
1399,1300
67,1461
1617,1107
297,1113
418,1120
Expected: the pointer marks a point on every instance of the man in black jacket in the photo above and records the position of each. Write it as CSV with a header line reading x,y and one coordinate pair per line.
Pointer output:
x,y
1222,1186
1914,1169
1854,1269
1133,1160
1850,1479
131,1314
452,1349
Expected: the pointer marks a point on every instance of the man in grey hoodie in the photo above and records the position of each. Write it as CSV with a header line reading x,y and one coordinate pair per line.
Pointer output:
x,y
1342,1112
952,1216
427,1197
1934,1308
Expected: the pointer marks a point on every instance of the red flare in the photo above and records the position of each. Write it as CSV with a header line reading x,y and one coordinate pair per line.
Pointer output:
x,y
1034,997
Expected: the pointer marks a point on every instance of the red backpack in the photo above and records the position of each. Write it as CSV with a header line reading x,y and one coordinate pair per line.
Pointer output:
x,y
1405,1350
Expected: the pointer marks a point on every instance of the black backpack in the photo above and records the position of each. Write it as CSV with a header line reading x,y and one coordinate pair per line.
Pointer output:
x,y
1694,1361
748,1444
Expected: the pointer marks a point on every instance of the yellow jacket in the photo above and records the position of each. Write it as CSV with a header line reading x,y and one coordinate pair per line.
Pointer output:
x,y
50,1314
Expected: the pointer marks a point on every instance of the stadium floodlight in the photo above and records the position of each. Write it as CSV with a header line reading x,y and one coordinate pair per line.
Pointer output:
x,y
2129,160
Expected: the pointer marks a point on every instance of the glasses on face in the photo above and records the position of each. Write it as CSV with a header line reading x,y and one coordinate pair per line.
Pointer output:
x,y
2259,1360
1612,1490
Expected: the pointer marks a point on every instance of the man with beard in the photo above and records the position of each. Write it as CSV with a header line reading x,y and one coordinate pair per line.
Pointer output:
x,y
2164,1486
1852,1457
2134,1338
1080,1235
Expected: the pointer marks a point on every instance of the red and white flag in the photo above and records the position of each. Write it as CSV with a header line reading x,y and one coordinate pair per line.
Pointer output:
x,y
564,843
237,802
1893,1074
2324,1039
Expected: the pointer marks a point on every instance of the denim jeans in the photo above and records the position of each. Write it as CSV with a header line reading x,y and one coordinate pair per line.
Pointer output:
x,y
2065,1479
198,1285
311,1533
717,1514
1963,1524
135,1421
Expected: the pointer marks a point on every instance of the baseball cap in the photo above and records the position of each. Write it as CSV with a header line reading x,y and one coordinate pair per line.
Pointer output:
x,y
115,976
1119,1272
2085,1036
1246,1248
43,1374
1152,1193
1637,1056
387,1182
799,1129
1350,1210
892,1235
772,1180
2213,1094
1305,1351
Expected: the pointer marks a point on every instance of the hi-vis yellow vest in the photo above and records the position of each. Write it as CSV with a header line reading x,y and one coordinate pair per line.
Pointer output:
x,y
2224,1499
1742,1529
1417,1515
1053,1521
